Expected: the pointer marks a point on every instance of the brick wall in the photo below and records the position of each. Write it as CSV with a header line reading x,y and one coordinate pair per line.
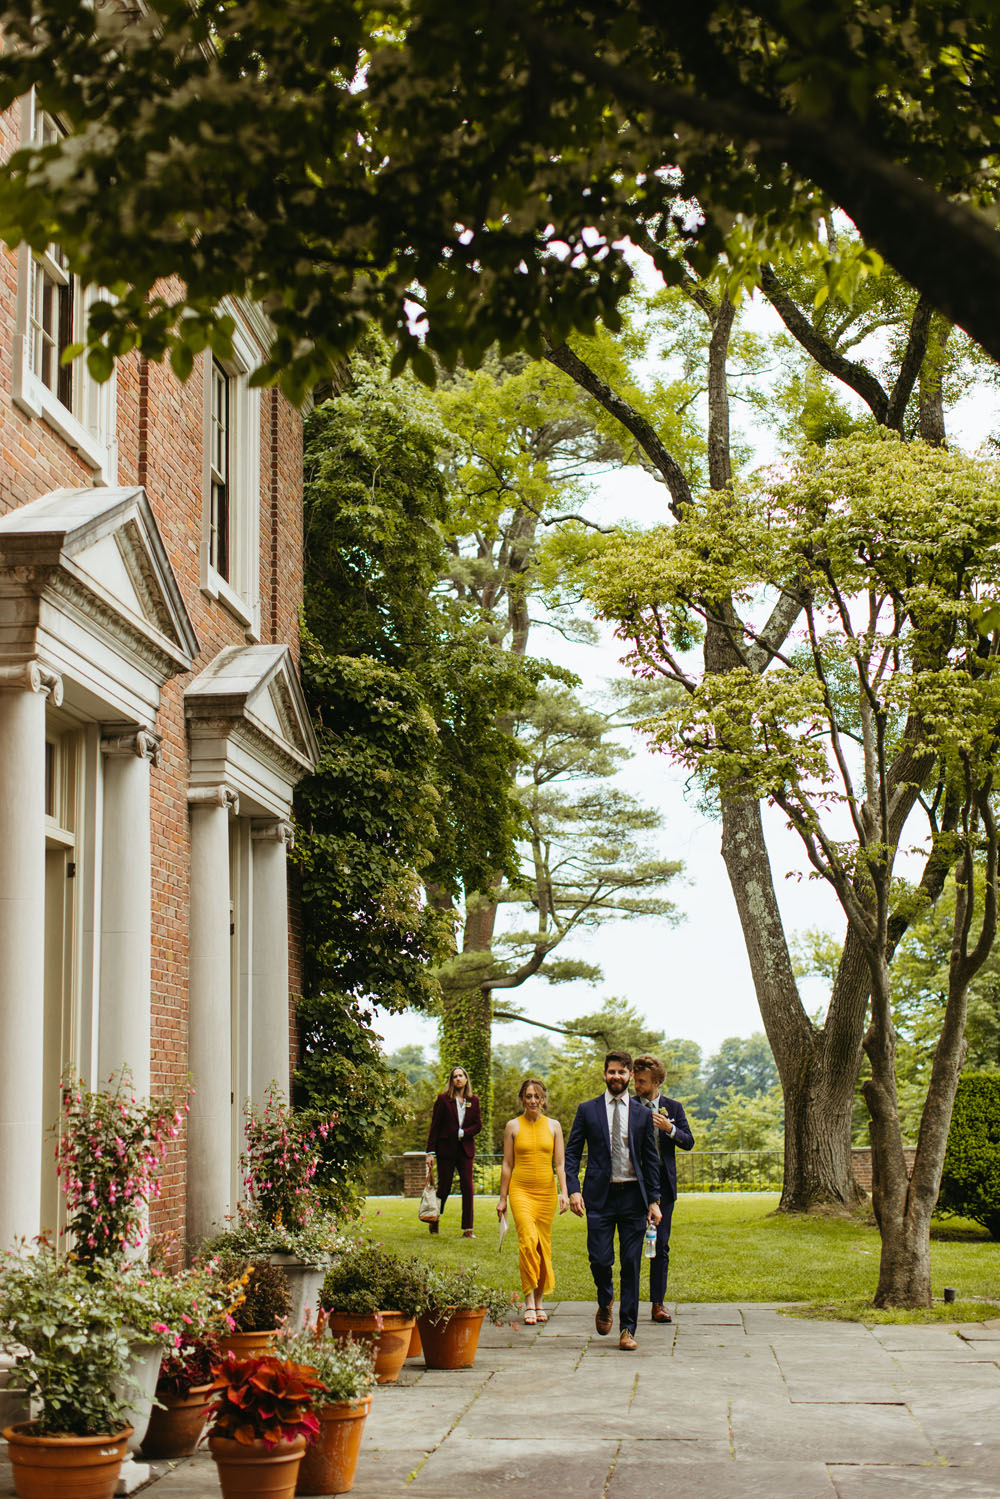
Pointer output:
x,y
861,1163
160,426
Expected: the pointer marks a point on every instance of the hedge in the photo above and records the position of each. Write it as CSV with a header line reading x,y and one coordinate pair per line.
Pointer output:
x,y
970,1180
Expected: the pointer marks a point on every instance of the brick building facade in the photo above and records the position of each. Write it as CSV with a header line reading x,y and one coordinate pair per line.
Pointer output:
x,y
152,730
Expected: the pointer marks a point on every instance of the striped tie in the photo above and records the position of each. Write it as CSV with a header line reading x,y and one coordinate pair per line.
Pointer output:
x,y
619,1150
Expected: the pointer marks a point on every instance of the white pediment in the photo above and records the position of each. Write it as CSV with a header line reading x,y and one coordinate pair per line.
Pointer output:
x,y
248,724
102,549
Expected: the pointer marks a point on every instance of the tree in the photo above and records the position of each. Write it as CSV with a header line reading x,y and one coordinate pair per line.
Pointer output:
x,y
330,162
885,703
743,1064
905,386
413,778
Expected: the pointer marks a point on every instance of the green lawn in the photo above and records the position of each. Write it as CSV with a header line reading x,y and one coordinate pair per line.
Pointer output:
x,y
723,1247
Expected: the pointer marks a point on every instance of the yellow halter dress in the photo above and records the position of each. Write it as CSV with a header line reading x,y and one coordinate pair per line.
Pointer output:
x,y
531,1196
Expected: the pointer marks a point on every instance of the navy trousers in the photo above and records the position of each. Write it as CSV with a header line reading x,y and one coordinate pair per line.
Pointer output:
x,y
625,1211
660,1262
447,1165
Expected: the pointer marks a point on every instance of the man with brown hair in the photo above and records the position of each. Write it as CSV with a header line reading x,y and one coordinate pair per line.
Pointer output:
x,y
621,1190
672,1130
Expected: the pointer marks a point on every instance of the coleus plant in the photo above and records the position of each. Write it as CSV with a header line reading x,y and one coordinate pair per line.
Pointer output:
x,y
265,1399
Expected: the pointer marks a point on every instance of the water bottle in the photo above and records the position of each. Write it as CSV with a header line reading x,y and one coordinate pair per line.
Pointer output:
x,y
649,1241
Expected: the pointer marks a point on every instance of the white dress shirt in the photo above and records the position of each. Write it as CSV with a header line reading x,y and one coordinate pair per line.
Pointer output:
x,y
609,1104
461,1106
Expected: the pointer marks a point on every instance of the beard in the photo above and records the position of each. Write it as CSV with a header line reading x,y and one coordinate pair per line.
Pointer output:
x,y
616,1085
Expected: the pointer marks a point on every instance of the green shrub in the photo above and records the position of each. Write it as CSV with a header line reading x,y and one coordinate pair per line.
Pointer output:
x,y
366,1278
970,1181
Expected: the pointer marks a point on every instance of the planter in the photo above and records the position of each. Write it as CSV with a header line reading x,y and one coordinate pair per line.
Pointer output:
x,y
452,1342
248,1344
249,1470
175,1425
416,1348
143,1372
57,1467
330,1463
305,1281
391,1343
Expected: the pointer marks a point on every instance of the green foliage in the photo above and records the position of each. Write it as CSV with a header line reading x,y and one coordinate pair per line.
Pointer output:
x,y
459,1290
366,1278
346,1367
745,1122
327,160
61,1325
970,1181
258,1291
742,1065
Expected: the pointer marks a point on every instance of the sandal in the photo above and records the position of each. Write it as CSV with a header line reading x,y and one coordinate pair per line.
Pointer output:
x,y
530,1317
541,1316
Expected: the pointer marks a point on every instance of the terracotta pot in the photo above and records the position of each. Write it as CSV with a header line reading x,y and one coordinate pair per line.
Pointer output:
x,y
248,1344
55,1467
452,1342
330,1463
416,1348
251,1469
391,1344
174,1427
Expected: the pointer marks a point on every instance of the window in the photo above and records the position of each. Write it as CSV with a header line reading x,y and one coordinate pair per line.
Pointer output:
x,y
220,471
51,315
231,540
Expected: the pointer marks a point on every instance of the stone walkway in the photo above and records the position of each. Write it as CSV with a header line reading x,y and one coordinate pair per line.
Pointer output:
x,y
730,1402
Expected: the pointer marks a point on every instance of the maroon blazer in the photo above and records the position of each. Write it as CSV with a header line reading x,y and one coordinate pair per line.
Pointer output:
x,y
442,1137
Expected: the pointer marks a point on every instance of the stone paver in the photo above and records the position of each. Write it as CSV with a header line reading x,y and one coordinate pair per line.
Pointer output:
x,y
729,1402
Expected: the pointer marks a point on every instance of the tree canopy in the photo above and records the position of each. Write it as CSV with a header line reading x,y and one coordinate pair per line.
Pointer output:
x,y
470,175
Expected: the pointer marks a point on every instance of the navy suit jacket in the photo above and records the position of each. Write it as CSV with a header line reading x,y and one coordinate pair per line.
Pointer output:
x,y
442,1138
669,1144
590,1129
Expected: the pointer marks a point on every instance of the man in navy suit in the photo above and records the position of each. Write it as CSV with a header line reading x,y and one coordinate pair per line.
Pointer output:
x,y
672,1131
621,1190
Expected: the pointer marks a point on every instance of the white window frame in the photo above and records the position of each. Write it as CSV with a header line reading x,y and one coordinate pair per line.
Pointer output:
x,y
240,592
88,423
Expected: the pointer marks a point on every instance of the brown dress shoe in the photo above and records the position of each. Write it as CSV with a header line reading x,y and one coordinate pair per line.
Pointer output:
x,y
660,1314
627,1341
603,1320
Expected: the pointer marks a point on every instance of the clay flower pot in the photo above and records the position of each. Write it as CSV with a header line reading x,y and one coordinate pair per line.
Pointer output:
x,y
248,1344
391,1343
451,1343
175,1426
330,1463
416,1348
251,1470
54,1467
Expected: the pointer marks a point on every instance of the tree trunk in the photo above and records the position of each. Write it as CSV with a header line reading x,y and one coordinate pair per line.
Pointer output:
x,y
817,1076
466,1024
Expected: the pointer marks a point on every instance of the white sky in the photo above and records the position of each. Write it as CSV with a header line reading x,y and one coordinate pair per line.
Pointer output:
x,y
692,978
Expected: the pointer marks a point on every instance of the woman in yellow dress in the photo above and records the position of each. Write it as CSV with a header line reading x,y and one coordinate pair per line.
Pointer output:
x,y
532,1146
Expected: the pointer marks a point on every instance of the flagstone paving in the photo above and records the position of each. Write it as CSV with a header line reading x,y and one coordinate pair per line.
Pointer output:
x,y
728,1402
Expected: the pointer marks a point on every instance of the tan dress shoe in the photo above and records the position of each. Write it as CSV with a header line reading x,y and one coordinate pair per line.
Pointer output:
x,y
660,1314
602,1321
627,1341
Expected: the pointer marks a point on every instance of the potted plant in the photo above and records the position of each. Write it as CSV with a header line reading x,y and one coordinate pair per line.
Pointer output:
x,y
279,1218
347,1370
376,1295
71,1357
110,1149
183,1396
456,1305
262,1419
257,1302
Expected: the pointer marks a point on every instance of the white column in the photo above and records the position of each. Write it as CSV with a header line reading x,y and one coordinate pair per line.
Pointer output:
x,y
269,1060
209,1013
126,906
22,943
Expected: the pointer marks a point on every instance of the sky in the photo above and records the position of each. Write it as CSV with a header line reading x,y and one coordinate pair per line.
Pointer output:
x,y
690,977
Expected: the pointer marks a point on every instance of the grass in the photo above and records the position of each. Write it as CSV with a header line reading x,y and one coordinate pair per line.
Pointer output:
x,y
723,1247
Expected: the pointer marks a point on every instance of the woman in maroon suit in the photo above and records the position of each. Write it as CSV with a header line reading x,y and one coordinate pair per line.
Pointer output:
x,y
455,1122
